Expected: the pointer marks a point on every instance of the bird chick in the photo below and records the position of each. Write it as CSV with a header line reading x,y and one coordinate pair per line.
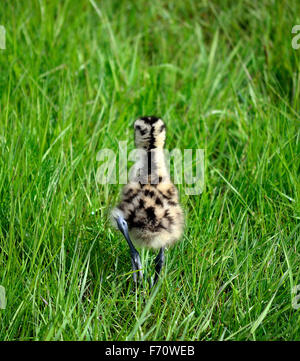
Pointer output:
x,y
149,214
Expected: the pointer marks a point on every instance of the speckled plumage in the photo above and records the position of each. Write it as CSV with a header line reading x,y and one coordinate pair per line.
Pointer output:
x,y
149,202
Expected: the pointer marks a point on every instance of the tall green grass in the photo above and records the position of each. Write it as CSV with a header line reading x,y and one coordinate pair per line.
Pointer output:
x,y
225,78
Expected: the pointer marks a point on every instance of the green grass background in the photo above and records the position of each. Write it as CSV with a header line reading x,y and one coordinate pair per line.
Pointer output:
x,y
73,78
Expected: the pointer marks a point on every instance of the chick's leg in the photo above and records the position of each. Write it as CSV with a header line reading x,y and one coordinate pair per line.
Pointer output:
x,y
134,254
159,262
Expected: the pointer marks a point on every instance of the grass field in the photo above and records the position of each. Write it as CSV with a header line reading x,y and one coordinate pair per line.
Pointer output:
x,y
224,77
